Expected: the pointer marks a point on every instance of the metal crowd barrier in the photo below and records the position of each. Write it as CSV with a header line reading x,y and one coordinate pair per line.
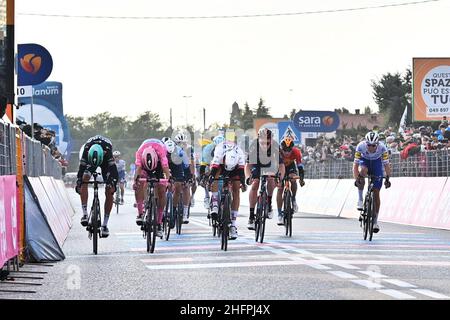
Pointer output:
x,y
433,163
7,149
39,160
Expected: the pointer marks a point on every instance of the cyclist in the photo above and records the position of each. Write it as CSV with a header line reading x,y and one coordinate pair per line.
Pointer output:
x,y
121,165
263,154
370,157
97,152
177,164
181,140
292,159
229,160
207,157
151,161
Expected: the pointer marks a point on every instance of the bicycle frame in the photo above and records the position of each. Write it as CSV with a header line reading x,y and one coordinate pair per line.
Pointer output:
x,y
369,208
94,218
261,208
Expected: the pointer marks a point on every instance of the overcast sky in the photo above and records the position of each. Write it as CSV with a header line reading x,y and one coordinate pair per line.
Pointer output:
x,y
312,61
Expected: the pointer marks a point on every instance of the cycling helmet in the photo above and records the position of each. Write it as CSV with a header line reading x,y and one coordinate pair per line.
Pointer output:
x,y
164,139
180,138
218,140
149,159
170,144
95,155
231,159
287,144
372,137
116,153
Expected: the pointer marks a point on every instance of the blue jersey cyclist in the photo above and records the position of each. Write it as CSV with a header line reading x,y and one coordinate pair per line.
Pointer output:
x,y
181,140
178,164
370,158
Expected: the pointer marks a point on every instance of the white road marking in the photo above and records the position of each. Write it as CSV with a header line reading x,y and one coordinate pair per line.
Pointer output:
x,y
343,275
400,283
431,294
368,284
373,274
396,294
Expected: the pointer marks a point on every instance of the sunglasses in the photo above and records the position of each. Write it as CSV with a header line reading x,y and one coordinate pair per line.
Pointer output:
x,y
372,144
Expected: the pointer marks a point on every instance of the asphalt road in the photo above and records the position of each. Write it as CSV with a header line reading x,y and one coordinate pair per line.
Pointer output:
x,y
326,258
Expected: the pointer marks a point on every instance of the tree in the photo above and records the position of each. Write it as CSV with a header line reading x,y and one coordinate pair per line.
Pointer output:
x,y
392,95
367,110
247,118
262,111
292,114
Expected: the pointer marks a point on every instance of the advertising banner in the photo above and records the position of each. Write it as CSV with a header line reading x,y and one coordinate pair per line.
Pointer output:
x,y
49,113
431,88
9,236
34,65
316,121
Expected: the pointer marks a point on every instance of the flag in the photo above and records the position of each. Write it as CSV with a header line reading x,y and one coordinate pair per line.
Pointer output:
x,y
402,125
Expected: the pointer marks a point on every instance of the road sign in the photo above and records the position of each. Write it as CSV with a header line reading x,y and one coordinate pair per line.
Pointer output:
x,y
25,91
286,128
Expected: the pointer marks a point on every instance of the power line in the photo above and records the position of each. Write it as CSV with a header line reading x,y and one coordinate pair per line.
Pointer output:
x,y
230,16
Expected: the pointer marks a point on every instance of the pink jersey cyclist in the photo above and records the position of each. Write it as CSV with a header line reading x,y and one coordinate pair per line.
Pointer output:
x,y
160,150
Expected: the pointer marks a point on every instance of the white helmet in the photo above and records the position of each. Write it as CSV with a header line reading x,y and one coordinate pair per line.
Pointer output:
x,y
372,137
116,153
180,138
170,144
231,159
218,139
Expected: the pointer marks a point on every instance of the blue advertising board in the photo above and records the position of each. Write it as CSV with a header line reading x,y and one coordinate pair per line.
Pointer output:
x,y
48,112
316,121
34,65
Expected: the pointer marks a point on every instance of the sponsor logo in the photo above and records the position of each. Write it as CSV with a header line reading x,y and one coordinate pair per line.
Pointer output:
x,y
31,63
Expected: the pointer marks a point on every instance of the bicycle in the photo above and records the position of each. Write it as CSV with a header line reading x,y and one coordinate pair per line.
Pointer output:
x,y
368,211
117,200
94,219
288,204
179,215
262,207
168,218
149,227
223,222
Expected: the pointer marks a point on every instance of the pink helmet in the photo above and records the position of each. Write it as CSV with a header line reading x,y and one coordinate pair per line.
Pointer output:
x,y
149,159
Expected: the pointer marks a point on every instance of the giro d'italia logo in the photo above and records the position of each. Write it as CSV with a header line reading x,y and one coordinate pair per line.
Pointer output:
x,y
31,63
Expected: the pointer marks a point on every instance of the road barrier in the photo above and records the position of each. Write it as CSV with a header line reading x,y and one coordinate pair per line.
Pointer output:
x,y
21,156
417,201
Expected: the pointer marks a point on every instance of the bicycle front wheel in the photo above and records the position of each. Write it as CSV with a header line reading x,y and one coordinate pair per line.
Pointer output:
x,y
287,212
168,216
371,216
226,213
95,225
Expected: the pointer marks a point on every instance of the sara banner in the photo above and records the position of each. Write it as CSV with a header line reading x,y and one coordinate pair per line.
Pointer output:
x,y
34,65
9,235
316,121
431,88
48,112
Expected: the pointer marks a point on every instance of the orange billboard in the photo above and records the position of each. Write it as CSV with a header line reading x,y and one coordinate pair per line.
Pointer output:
x,y
431,89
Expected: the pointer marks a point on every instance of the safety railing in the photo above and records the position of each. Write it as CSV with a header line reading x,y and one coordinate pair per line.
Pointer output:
x,y
7,149
433,163
39,160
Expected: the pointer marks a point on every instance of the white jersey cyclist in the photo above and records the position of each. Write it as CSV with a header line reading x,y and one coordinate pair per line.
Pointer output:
x,y
362,152
220,151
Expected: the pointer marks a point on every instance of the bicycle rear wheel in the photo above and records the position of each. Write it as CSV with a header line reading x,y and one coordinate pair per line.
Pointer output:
x,y
262,228
117,202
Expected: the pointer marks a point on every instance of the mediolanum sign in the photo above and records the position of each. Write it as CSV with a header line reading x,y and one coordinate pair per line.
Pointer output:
x,y
316,121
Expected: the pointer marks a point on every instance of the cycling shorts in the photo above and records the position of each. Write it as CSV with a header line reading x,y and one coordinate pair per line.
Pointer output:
x,y
375,168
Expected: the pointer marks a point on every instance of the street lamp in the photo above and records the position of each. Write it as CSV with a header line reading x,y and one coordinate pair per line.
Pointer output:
x,y
186,97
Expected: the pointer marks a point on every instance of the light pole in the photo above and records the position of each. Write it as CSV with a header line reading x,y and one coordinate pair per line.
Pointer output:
x,y
186,110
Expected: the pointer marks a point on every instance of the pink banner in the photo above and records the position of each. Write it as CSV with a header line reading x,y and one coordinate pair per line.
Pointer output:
x,y
9,235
